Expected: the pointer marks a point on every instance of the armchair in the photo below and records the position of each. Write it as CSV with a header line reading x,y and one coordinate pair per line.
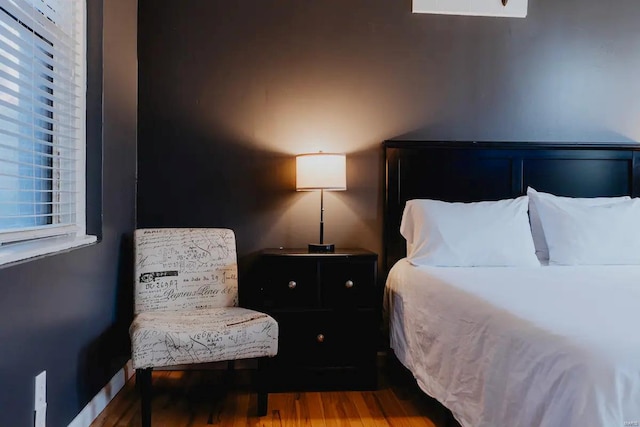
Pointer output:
x,y
186,297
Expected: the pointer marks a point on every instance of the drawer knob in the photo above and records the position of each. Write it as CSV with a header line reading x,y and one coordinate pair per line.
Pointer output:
x,y
348,284
320,338
292,285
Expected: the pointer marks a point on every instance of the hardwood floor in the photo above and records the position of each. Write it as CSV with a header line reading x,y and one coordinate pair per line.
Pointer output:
x,y
213,397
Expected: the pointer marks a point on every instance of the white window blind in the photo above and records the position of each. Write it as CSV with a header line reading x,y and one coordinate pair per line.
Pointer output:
x,y
42,119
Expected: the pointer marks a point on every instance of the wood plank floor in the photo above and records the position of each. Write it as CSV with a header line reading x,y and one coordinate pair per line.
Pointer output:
x,y
211,397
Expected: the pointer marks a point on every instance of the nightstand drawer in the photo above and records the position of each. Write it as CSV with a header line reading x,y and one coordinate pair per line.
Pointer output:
x,y
325,338
348,284
290,283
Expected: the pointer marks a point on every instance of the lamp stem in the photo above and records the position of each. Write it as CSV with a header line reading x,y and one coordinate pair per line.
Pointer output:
x,y
321,216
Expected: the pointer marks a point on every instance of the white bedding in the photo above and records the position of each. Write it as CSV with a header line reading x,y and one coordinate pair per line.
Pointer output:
x,y
551,346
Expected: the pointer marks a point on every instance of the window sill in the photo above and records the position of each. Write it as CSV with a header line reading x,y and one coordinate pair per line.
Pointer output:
x,y
16,253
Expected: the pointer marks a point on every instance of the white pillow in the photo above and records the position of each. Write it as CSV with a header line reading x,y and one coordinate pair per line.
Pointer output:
x,y
591,235
468,234
539,240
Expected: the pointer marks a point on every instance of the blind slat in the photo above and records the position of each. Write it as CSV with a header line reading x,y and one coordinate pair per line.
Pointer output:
x,y
44,75
36,191
36,115
36,215
44,68
22,33
46,78
36,46
36,204
36,127
24,150
30,178
36,103
34,20
38,130
42,97
35,165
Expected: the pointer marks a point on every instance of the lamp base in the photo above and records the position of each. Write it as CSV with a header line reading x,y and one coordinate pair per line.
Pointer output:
x,y
321,248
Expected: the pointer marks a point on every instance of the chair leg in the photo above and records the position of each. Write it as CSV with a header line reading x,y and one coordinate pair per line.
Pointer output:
x,y
263,402
143,381
263,393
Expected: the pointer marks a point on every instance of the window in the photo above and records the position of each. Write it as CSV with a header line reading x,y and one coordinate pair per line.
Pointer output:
x,y
42,124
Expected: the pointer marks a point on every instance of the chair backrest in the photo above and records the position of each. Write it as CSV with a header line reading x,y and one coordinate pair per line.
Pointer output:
x,y
185,269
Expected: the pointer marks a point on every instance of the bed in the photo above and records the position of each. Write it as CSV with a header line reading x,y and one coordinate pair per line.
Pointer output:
x,y
515,346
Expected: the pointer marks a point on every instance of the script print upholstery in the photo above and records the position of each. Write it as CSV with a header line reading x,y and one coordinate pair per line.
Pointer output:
x,y
186,296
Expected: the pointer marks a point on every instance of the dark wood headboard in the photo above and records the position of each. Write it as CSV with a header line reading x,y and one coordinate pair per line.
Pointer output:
x,y
474,171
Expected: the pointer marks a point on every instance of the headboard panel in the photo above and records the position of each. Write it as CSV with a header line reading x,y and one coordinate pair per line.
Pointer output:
x,y
472,171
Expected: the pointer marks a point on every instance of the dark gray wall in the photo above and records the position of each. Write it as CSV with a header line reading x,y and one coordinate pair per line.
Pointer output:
x,y
230,91
68,313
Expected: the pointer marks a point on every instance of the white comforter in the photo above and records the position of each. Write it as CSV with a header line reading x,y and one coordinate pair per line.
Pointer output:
x,y
522,347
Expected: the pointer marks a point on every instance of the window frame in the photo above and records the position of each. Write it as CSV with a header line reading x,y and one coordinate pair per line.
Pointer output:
x,y
22,245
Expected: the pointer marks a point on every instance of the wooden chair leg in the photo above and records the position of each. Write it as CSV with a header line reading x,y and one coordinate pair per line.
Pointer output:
x,y
261,386
143,381
263,402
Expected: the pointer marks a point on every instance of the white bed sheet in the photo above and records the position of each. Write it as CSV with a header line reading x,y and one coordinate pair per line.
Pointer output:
x,y
551,346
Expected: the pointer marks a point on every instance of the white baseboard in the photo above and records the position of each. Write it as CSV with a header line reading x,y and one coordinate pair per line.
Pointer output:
x,y
90,412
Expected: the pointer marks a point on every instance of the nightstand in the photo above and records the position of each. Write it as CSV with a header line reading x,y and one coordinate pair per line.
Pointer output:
x,y
328,317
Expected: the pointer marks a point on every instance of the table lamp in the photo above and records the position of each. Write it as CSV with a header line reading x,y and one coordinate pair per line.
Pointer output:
x,y
321,171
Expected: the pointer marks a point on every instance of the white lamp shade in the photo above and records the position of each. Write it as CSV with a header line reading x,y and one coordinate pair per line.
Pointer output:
x,y
321,171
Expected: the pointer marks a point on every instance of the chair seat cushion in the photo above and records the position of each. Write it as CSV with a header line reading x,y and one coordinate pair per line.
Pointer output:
x,y
166,338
